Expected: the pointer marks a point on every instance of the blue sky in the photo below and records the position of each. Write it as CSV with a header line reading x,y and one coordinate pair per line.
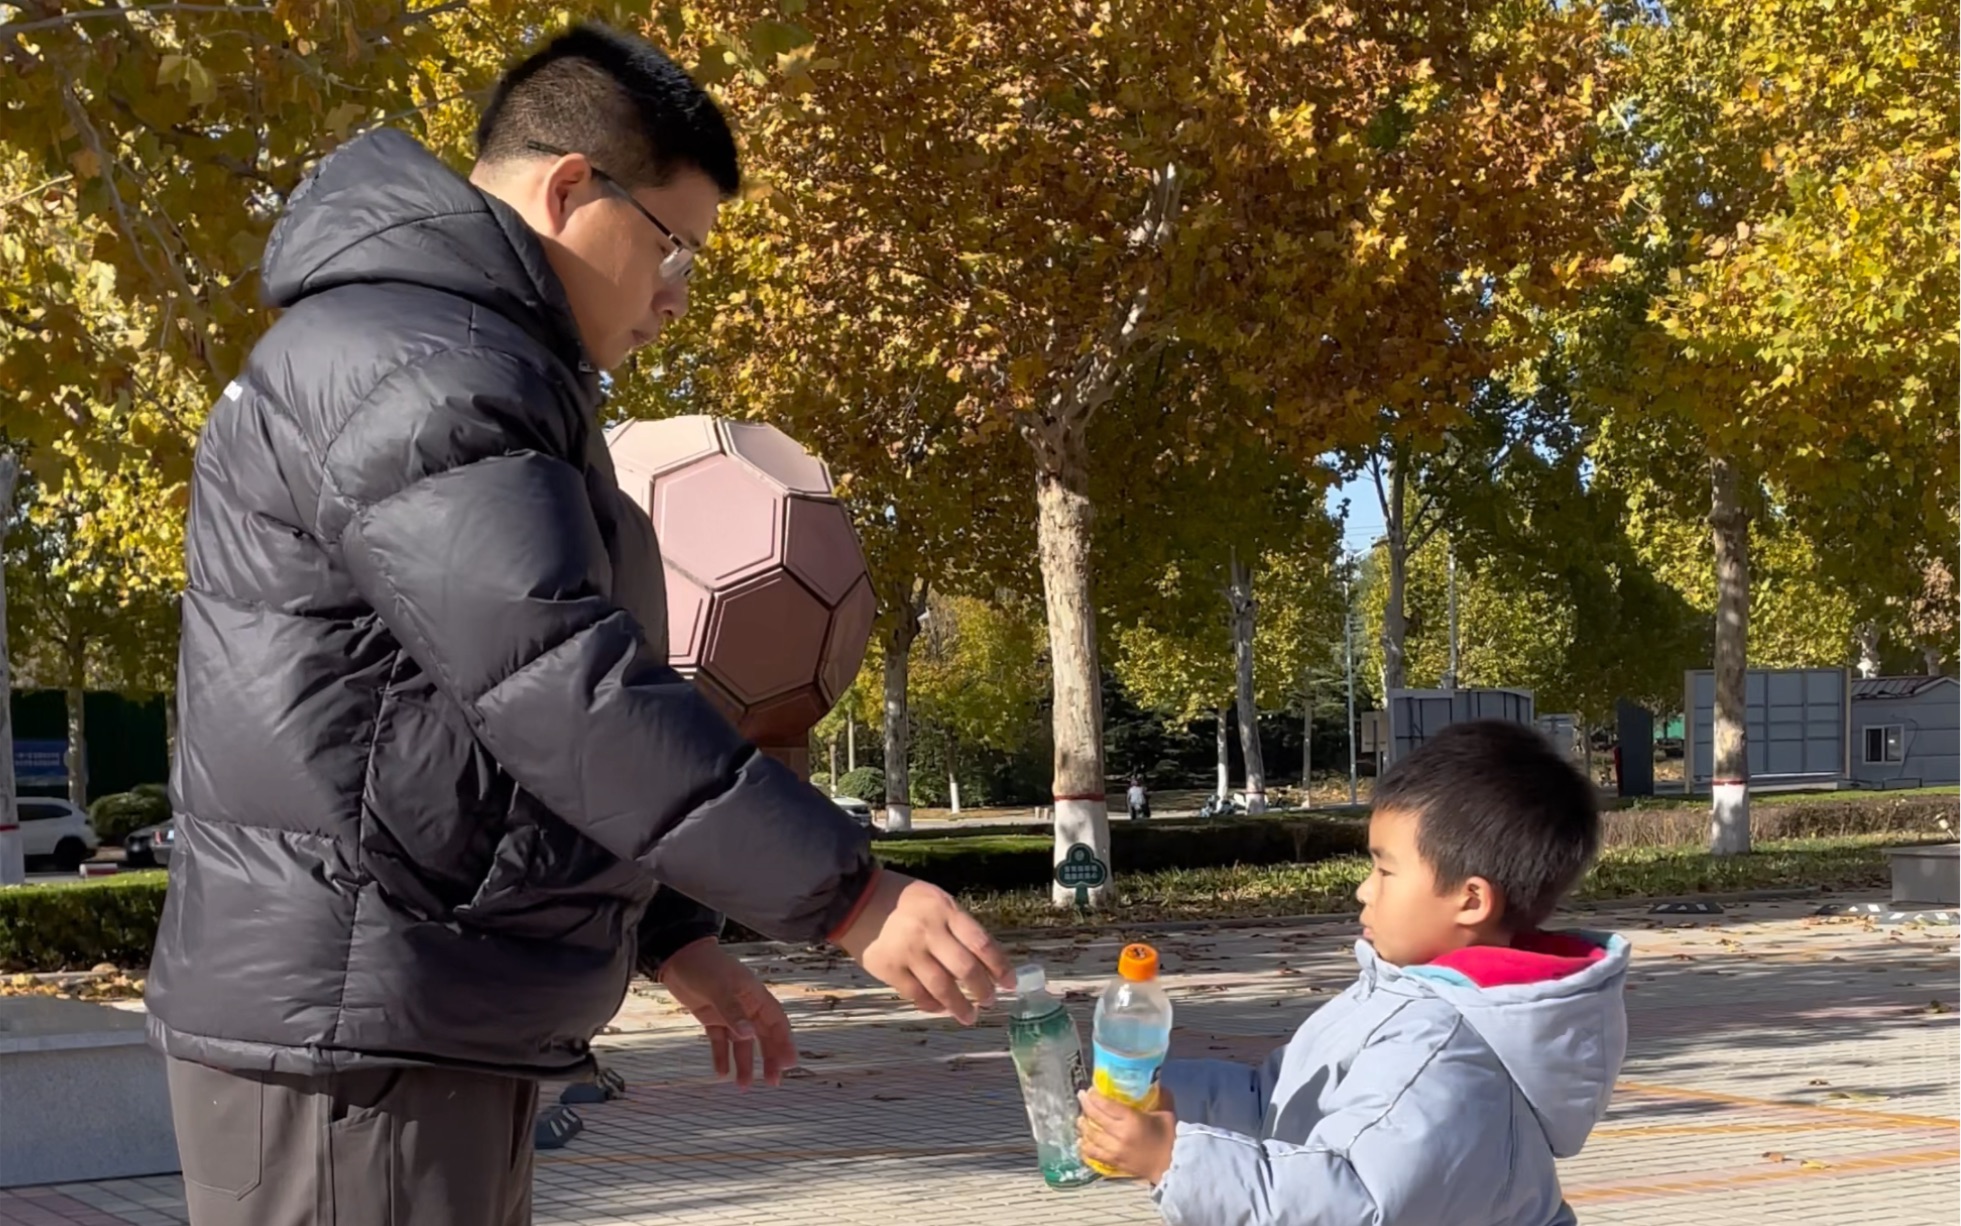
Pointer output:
x,y
1364,512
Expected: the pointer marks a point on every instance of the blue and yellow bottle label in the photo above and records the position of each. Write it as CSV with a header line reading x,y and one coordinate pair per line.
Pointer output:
x,y
1131,1080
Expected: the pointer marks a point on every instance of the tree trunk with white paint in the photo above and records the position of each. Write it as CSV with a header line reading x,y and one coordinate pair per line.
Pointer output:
x,y
898,729
1729,529
1058,432
1245,619
953,773
1930,659
1082,814
1222,740
78,749
13,868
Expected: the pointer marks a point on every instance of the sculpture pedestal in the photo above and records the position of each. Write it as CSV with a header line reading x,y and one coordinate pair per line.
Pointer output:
x,y
84,1095
1927,875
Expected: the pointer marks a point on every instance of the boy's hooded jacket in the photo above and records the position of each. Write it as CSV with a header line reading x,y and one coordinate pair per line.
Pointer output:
x,y
1415,1098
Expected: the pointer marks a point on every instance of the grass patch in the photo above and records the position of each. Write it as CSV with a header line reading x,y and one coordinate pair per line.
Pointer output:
x,y
1853,862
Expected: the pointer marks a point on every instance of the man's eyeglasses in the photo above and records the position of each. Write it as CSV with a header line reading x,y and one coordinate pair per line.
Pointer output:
x,y
679,264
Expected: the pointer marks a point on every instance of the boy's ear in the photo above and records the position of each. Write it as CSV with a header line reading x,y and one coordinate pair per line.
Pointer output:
x,y
1478,903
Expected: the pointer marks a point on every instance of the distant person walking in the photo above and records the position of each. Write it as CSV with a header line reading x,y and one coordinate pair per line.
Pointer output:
x,y
1140,801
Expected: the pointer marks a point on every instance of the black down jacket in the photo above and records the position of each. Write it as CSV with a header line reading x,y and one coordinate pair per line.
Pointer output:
x,y
429,767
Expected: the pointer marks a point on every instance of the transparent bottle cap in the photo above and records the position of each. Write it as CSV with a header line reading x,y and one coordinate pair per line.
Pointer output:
x,y
1029,980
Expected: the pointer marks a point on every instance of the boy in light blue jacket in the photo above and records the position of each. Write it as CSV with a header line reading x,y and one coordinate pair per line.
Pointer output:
x,y
1472,1050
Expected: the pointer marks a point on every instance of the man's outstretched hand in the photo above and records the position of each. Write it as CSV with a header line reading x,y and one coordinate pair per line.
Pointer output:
x,y
913,937
735,1009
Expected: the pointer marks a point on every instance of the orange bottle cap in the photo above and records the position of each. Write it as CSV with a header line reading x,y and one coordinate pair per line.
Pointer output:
x,y
1138,963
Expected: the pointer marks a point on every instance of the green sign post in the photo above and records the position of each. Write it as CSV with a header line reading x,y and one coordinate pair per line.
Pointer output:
x,y
1082,872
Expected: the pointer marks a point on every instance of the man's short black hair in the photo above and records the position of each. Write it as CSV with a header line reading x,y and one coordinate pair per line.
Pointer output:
x,y
615,98
1496,800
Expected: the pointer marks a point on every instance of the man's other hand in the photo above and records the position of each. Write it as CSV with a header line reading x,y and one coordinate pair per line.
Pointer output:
x,y
735,1009
913,937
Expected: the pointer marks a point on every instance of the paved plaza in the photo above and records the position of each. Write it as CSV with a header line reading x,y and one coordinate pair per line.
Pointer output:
x,y
1783,1068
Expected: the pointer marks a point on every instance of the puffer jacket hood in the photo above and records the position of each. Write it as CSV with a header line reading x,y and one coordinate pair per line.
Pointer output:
x,y
383,208
432,765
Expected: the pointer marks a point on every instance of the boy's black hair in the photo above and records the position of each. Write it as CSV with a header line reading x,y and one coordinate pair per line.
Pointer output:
x,y
1496,800
615,98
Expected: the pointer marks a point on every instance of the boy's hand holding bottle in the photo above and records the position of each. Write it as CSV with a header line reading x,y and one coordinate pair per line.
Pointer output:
x,y
1134,1144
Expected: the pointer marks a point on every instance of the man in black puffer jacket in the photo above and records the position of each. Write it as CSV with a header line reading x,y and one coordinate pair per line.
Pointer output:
x,y
432,765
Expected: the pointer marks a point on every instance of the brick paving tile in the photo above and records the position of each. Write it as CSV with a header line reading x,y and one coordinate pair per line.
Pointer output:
x,y
1778,1062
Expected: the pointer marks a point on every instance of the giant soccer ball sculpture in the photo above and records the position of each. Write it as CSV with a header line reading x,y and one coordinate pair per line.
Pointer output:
x,y
769,606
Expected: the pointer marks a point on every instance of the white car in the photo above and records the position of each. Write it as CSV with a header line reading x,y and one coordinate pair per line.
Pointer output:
x,y
56,830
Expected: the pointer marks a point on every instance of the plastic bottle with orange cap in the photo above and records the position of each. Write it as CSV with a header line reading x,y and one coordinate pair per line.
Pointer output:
x,y
1132,1033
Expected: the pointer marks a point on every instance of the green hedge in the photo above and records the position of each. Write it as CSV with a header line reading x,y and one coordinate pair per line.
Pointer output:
x,y
867,783
116,817
73,927
1018,861
70,927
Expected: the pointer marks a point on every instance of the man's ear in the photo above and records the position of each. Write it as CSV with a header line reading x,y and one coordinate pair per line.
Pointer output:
x,y
1478,903
564,184
561,187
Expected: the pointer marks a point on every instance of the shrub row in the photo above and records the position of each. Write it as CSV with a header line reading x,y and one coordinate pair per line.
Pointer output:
x,y
1017,861
76,926
71,927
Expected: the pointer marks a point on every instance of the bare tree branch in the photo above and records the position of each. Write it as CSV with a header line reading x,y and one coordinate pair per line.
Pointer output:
x,y
121,12
1093,374
34,191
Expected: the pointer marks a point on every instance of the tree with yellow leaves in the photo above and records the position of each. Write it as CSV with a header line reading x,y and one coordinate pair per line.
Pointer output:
x,y
1784,323
1351,205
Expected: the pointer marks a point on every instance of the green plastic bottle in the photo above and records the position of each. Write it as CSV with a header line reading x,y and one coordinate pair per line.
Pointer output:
x,y
1048,1055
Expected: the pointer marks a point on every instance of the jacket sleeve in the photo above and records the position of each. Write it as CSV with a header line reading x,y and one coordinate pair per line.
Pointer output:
x,y
1418,1130
673,921
1221,1094
466,526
